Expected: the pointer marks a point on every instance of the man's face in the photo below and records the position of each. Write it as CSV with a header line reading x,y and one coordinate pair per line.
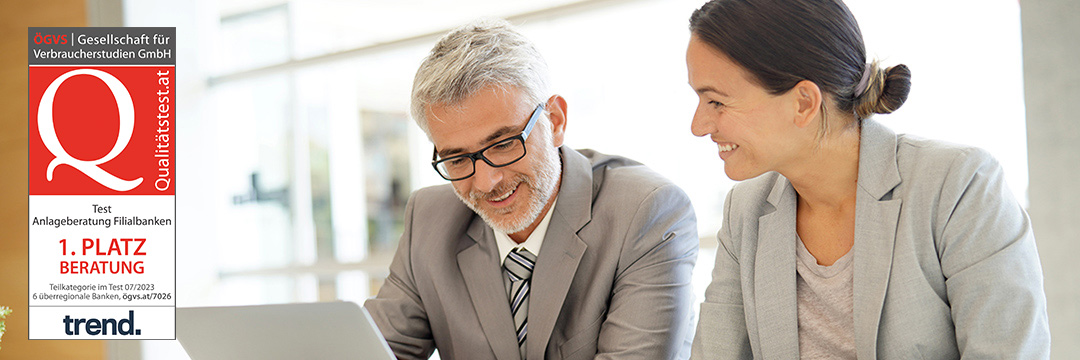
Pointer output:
x,y
508,198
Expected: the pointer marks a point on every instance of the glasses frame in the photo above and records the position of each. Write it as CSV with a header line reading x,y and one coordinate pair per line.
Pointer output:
x,y
479,155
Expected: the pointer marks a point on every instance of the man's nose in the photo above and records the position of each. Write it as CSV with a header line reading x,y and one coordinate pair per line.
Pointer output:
x,y
486,177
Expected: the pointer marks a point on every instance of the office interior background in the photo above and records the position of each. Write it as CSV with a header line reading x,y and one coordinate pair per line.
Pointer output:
x,y
296,153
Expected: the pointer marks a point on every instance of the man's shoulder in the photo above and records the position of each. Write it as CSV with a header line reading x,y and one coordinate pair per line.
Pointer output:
x,y
623,177
435,194
438,207
634,210
623,188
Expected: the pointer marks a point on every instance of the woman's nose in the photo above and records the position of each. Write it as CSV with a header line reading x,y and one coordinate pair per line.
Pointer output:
x,y
701,124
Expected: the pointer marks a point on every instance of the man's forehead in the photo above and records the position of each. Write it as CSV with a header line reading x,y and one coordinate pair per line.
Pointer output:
x,y
476,122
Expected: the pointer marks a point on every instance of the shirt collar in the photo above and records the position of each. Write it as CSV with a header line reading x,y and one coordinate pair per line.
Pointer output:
x,y
532,243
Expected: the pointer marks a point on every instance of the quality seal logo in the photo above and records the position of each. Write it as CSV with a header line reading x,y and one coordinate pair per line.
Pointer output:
x,y
47,131
101,127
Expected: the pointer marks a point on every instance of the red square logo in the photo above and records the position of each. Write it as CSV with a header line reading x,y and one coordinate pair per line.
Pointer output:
x,y
101,130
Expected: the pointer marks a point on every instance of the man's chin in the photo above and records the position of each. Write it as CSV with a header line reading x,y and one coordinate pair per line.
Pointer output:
x,y
508,219
508,223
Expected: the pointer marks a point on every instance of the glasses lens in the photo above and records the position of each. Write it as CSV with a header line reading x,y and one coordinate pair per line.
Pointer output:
x,y
505,152
502,153
454,168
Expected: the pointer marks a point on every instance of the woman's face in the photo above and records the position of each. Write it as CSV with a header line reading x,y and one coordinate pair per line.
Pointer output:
x,y
754,131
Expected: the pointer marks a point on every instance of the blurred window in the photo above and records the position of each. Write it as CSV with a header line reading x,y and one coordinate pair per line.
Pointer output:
x,y
298,154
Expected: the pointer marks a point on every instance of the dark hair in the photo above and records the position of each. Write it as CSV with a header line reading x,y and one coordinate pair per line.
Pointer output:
x,y
782,42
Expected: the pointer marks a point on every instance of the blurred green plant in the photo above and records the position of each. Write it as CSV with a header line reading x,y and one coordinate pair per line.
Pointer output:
x,y
4,311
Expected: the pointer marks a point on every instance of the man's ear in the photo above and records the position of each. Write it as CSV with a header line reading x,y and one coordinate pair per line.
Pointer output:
x,y
807,102
556,108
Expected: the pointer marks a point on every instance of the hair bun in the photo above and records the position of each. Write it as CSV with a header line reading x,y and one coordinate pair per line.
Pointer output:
x,y
887,90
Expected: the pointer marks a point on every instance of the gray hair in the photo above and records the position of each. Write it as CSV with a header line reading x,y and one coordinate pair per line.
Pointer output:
x,y
482,53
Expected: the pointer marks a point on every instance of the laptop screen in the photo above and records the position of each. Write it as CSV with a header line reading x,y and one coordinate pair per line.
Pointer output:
x,y
327,330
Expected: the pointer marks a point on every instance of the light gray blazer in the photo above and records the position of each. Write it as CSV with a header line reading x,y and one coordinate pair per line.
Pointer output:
x,y
612,280
945,261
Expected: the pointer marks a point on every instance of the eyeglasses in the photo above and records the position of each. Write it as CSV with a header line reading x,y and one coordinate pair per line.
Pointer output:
x,y
502,153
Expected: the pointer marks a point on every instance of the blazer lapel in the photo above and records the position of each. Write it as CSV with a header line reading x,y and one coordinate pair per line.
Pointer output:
x,y
774,276
555,269
480,267
876,218
561,253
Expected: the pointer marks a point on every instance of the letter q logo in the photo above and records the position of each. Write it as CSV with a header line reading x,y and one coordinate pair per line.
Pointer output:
x,y
47,131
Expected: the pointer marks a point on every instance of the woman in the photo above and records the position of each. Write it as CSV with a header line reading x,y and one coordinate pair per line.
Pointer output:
x,y
845,239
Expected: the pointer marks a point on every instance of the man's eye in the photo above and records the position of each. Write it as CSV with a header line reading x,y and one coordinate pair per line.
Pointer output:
x,y
715,103
457,162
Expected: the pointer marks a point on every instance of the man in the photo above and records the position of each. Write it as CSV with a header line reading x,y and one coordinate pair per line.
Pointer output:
x,y
535,250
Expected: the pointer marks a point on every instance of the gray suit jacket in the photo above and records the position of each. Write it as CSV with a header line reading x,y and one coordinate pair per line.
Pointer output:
x,y
612,280
945,261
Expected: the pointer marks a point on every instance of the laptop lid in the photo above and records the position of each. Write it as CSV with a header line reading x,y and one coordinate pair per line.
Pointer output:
x,y
328,330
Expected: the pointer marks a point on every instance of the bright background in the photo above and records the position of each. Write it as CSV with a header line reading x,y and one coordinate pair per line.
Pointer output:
x,y
296,153
310,98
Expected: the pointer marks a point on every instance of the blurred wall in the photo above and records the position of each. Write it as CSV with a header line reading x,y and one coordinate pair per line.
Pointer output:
x,y
15,17
1052,96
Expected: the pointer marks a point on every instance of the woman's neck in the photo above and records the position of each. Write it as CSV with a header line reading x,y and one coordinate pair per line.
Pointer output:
x,y
827,177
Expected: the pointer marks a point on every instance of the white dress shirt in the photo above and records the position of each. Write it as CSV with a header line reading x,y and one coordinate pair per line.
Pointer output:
x,y
532,243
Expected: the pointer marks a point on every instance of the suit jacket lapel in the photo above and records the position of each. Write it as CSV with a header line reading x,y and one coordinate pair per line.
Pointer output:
x,y
480,266
554,272
562,250
774,279
876,217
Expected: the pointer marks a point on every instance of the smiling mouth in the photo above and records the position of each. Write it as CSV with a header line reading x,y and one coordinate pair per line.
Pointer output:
x,y
505,196
727,147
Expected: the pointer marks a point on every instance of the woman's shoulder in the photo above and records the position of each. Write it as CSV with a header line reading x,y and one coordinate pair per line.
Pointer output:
x,y
922,157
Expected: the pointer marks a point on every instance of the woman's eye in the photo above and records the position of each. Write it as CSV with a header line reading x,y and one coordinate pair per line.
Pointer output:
x,y
715,104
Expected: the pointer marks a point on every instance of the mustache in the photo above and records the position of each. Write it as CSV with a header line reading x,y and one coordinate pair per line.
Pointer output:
x,y
502,189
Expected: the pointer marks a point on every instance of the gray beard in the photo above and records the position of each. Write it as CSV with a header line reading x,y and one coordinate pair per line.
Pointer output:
x,y
547,169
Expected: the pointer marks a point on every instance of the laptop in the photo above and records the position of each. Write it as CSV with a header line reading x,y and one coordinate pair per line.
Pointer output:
x,y
327,330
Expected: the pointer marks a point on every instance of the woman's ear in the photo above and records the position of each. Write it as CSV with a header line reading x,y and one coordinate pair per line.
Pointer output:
x,y
807,102
556,107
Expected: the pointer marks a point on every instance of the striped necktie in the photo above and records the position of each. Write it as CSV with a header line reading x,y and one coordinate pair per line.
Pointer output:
x,y
518,267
